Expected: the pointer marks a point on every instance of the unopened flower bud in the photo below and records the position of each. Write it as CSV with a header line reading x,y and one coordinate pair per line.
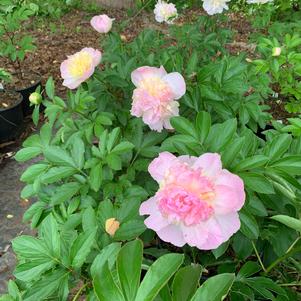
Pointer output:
x,y
112,225
276,51
35,98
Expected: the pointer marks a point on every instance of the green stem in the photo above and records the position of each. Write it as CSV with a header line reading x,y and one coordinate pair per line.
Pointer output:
x,y
79,292
258,257
281,258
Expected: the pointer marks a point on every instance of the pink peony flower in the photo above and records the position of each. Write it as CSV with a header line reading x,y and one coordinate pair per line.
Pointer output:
x,y
102,23
79,67
155,95
165,12
213,7
197,201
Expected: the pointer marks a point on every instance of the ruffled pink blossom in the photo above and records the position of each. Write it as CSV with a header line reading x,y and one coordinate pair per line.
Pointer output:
x,y
213,7
79,67
165,12
155,95
102,23
197,202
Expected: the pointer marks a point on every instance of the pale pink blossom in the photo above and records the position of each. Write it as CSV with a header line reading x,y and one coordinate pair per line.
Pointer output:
x,y
197,202
155,95
258,1
213,7
79,67
165,12
102,23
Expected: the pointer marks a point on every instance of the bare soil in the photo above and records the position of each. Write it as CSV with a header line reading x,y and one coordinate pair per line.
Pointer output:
x,y
8,99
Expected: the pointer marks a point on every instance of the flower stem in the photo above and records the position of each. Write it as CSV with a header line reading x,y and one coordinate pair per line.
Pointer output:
x,y
258,257
281,258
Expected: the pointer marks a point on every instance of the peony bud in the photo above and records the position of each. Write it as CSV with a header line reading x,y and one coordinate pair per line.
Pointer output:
x,y
112,225
35,98
276,51
102,23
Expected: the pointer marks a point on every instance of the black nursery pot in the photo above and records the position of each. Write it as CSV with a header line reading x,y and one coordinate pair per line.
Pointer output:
x,y
11,119
27,109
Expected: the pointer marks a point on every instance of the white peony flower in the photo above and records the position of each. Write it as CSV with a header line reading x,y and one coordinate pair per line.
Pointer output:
x,y
165,12
258,1
213,7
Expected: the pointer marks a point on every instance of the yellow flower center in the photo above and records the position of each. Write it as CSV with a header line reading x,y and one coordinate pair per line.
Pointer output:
x,y
80,63
155,86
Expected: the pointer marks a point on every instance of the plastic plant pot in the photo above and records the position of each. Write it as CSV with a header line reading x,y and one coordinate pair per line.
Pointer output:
x,y
11,119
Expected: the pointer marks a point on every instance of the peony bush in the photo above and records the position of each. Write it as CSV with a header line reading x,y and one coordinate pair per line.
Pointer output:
x,y
161,176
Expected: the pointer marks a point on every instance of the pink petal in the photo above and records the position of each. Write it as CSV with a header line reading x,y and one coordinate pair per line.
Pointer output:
x,y
172,234
149,207
210,163
96,54
156,222
229,223
144,72
72,83
177,83
159,166
195,236
190,160
215,236
220,229
233,181
226,200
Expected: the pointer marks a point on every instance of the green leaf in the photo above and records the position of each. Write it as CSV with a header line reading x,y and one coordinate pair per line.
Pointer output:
x,y
105,288
32,270
248,269
13,290
184,126
257,182
114,161
232,153
291,164
36,115
263,286
89,221
186,282
55,174
50,233
32,172
107,254
158,275
113,138
81,248
130,230
50,88
221,134
203,125
78,152
122,148
29,247
216,288
27,153
59,156
249,226
251,163
95,177
220,250
278,146
46,286
290,222
129,274
65,192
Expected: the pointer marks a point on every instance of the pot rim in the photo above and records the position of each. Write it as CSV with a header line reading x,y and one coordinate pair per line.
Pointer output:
x,y
16,104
